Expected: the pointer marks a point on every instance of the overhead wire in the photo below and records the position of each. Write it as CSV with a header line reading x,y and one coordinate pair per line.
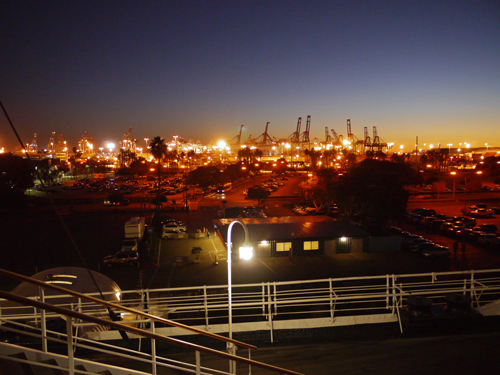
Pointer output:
x,y
112,314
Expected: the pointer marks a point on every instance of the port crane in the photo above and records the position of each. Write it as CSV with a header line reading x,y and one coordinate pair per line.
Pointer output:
x,y
237,137
264,139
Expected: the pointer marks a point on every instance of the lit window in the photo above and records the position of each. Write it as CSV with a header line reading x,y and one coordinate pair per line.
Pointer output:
x,y
311,245
283,246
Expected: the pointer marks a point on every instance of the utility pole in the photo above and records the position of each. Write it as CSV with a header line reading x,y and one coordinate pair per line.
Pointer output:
x,y
416,154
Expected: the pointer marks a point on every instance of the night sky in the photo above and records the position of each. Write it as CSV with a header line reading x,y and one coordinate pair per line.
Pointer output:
x,y
201,69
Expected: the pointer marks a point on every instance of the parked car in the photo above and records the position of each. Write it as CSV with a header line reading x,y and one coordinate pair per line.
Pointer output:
x,y
464,234
481,212
174,226
130,244
412,245
423,246
487,238
180,224
469,209
486,227
436,250
169,233
129,258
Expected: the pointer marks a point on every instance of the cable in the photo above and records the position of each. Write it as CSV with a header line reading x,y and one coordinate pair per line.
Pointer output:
x,y
112,314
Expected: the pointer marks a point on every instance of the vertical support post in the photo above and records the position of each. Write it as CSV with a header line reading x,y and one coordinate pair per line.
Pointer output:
x,y
69,342
269,314
399,301
331,298
198,363
249,365
43,322
387,292
153,349
205,303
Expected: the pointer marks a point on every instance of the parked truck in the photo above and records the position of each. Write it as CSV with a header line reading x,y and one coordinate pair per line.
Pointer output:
x,y
135,227
134,231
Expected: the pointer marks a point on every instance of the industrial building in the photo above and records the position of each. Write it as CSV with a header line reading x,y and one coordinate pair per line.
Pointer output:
x,y
302,236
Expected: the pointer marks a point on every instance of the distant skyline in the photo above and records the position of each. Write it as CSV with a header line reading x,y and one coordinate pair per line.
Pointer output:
x,y
201,69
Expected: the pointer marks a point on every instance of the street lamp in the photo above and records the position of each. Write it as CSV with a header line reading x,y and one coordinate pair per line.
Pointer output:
x,y
110,146
246,253
453,174
175,139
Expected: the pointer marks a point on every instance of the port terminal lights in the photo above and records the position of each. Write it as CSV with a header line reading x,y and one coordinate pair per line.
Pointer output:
x,y
246,253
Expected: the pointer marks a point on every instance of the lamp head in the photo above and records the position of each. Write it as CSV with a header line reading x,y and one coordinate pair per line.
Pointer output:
x,y
246,252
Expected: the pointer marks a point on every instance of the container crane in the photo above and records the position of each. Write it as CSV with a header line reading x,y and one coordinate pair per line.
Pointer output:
x,y
295,136
354,142
305,135
237,137
328,138
368,142
377,144
264,139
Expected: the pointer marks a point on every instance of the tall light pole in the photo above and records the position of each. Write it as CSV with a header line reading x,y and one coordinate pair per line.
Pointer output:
x,y
246,253
175,138
453,174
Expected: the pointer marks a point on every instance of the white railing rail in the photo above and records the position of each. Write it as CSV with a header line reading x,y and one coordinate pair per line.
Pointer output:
x,y
37,328
380,297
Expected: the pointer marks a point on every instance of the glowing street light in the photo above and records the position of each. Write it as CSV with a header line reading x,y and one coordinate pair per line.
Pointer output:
x,y
110,146
453,173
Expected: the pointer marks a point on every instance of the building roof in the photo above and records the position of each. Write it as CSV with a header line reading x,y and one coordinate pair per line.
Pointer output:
x,y
288,227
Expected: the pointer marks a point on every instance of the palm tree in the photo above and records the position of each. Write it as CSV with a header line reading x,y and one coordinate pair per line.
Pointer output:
x,y
328,155
158,150
313,155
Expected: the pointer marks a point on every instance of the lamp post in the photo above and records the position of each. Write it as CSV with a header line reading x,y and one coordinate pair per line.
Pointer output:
x,y
453,174
246,253
287,146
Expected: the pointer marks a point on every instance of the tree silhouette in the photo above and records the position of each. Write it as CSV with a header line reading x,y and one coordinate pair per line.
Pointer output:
x,y
374,192
158,149
313,155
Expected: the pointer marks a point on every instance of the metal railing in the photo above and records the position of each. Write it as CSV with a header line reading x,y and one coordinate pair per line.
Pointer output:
x,y
35,327
296,304
273,307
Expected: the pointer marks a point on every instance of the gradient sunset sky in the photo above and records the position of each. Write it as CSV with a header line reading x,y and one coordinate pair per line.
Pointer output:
x,y
201,69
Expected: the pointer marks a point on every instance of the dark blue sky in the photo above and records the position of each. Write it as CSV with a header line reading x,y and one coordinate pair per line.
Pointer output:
x,y
200,69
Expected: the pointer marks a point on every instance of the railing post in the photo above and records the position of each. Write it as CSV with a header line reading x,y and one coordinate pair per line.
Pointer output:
x,y
275,299
198,363
43,323
153,349
205,304
270,315
387,292
263,289
249,366
69,342
330,283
